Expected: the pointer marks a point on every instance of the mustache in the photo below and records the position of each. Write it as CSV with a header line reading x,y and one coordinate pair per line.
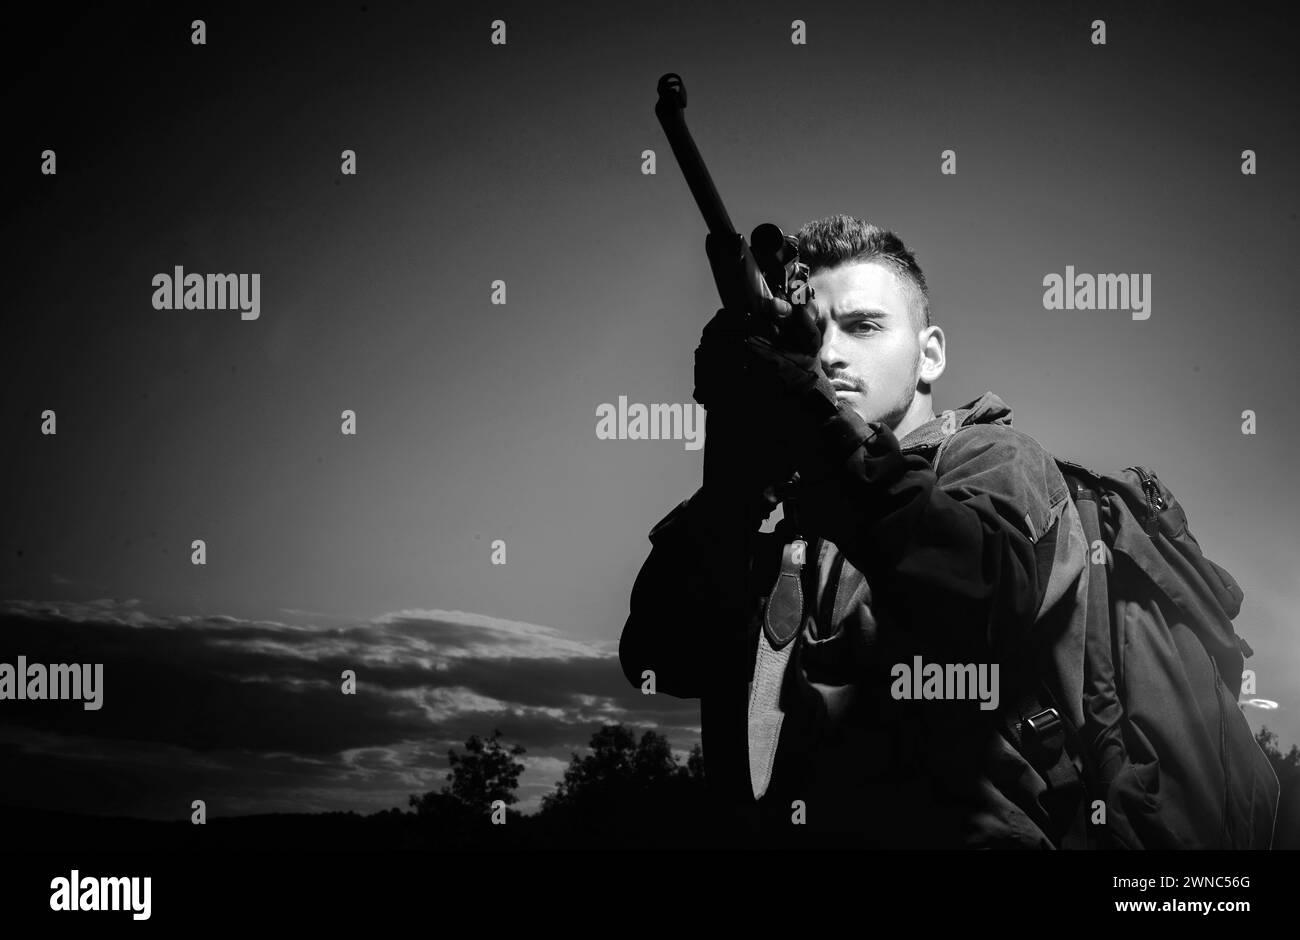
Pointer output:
x,y
847,379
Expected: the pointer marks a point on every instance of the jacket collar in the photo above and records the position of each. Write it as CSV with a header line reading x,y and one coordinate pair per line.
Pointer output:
x,y
987,409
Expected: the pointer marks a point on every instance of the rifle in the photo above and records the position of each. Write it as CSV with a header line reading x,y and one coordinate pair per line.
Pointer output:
x,y
759,281
761,286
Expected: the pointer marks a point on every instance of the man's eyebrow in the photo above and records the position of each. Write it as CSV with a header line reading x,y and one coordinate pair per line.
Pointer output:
x,y
864,313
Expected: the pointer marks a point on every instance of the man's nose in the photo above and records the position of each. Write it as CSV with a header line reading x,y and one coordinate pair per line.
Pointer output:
x,y
831,359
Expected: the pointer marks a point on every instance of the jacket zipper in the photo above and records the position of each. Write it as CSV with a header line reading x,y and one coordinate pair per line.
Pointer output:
x,y
1223,754
1155,502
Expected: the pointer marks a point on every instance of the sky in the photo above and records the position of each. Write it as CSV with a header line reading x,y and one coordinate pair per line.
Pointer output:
x,y
476,421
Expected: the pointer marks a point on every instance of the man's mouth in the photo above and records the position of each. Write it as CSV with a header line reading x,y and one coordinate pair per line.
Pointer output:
x,y
841,386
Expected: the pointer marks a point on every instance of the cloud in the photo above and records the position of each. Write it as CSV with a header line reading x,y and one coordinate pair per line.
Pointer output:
x,y
249,714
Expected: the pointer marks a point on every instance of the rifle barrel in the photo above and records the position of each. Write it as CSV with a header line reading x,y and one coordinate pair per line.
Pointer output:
x,y
670,109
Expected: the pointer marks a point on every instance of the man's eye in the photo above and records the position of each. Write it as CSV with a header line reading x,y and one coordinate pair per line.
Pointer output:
x,y
863,326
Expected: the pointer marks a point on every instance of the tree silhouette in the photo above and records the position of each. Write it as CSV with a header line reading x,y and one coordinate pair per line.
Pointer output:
x,y
695,763
1286,833
616,769
628,791
485,773
1287,765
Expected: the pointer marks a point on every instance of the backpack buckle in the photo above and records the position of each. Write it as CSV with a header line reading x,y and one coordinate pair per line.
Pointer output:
x,y
1043,723
1043,737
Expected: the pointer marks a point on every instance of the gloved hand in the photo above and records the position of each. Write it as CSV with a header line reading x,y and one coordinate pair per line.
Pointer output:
x,y
767,360
768,389
761,377
743,462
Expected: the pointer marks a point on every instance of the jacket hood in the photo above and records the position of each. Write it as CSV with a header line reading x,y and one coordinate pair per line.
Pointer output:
x,y
987,409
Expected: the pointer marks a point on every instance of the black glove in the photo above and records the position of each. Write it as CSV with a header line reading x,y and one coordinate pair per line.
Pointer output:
x,y
771,408
769,386
766,360
743,462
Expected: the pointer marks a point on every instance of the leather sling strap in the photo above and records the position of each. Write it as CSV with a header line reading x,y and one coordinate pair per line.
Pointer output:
x,y
781,622
782,619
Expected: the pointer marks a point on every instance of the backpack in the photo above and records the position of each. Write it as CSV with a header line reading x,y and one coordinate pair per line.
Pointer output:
x,y
1165,745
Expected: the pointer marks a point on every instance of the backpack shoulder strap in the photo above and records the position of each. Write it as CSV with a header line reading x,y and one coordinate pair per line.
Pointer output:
x,y
942,446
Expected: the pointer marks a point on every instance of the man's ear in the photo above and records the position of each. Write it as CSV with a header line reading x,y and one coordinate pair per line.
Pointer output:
x,y
933,354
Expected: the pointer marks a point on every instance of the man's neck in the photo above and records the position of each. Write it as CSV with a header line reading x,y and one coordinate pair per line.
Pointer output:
x,y
918,413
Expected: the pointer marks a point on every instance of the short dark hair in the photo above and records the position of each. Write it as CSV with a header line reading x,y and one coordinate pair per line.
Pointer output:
x,y
841,239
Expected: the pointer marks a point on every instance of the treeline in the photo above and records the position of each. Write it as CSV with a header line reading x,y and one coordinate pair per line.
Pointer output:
x,y
635,793
624,792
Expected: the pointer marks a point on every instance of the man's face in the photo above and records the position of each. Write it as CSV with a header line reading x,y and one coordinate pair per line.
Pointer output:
x,y
870,350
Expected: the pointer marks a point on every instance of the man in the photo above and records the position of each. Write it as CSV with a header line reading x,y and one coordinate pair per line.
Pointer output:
x,y
811,726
